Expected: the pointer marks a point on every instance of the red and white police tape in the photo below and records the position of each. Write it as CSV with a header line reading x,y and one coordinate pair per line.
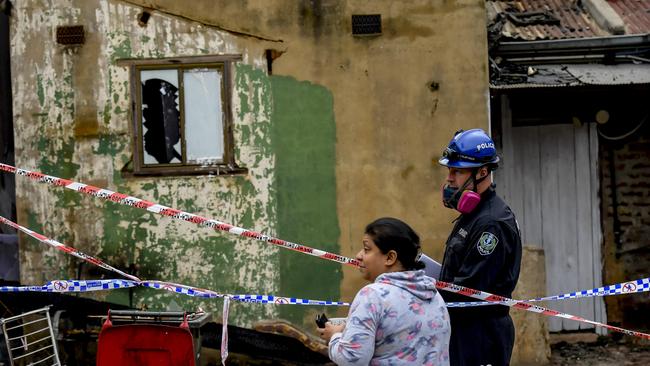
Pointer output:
x,y
174,213
623,288
518,304
67,249
98,285
218,225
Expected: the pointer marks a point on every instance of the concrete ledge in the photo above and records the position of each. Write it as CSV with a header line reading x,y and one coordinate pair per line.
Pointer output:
x,y
532,346
605,16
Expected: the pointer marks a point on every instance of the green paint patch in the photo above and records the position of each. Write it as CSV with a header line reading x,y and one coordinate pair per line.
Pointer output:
x,y
66,198
152,189
243,72
110,145
188,205
154,260
304,140
124,227
33,223
254,91
58,98
58,267
107,113
57,161
128,240
121,46
40,90
64,100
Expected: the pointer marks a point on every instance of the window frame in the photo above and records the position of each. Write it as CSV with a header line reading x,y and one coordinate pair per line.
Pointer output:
x,y
223,62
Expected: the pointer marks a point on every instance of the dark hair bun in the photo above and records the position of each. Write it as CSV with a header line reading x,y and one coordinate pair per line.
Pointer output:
x,y
390,233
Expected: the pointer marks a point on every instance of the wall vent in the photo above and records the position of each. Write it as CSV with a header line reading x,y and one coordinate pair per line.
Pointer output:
x,y
70,35
366,24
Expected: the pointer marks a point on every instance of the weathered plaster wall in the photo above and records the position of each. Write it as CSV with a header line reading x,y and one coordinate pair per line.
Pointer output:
x,y
390,122
71,120
351,130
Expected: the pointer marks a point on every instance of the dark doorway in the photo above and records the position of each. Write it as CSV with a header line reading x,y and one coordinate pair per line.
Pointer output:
x,y
7,181
9,268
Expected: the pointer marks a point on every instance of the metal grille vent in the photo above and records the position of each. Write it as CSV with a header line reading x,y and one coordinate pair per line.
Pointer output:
x,y
366,24
70,35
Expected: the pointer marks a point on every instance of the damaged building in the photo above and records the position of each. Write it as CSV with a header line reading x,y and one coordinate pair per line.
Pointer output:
x,y
305,120
569,85
309,105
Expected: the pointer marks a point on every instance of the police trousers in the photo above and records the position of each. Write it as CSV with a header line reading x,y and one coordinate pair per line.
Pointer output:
x,y
481,342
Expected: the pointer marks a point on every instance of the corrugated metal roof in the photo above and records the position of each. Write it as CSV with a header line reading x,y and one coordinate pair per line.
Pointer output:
x,y
574,20
623,74
635,15
564,36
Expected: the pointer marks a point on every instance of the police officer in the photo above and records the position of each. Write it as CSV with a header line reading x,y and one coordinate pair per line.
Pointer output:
x,y
483,252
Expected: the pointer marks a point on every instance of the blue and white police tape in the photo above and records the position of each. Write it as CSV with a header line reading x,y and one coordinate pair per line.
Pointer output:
x,y
270,299
518,304
623,288
73,286
177,214
259,299
629,287
101,285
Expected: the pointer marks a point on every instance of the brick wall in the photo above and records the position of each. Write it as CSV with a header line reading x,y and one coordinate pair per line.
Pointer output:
x,y
628,259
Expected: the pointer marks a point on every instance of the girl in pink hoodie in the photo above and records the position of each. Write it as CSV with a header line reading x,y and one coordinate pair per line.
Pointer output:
x,y
399,318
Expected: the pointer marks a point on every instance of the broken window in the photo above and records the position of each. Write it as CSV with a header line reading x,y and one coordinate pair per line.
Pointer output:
x,y
181,116
160,117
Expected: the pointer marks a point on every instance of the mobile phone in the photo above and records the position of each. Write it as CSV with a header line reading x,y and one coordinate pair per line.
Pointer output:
x,y
321,320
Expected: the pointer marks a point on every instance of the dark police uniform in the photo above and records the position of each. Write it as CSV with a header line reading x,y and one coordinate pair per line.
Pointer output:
x,y
483,252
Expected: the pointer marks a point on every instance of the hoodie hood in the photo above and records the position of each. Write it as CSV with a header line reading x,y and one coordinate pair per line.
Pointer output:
x,y
415,282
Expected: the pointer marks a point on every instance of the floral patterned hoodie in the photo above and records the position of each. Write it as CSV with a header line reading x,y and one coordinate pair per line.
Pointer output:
x,y
400,319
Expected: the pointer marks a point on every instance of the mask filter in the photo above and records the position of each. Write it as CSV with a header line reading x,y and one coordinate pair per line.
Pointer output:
x,y
464,202
468,201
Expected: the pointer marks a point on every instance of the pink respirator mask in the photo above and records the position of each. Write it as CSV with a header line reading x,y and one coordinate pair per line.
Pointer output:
x,y
463,202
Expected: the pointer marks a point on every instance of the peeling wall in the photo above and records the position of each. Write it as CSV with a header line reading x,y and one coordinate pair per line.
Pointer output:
x,y
71,116
347,129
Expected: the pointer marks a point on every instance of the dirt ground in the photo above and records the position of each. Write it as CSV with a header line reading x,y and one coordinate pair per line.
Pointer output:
x,y
604,351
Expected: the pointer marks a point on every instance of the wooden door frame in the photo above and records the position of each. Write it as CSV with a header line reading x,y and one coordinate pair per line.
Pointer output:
x,y
501,130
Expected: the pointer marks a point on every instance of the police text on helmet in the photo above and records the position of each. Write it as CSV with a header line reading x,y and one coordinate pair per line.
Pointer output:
x,y
484,145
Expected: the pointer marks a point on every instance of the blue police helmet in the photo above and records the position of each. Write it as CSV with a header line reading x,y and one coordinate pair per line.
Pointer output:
x,y
470,149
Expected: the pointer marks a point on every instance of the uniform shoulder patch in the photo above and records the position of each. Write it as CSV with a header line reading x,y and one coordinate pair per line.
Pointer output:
x,y
486,243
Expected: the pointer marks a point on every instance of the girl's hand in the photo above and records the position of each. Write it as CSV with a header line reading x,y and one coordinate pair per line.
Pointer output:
x,y
329,330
